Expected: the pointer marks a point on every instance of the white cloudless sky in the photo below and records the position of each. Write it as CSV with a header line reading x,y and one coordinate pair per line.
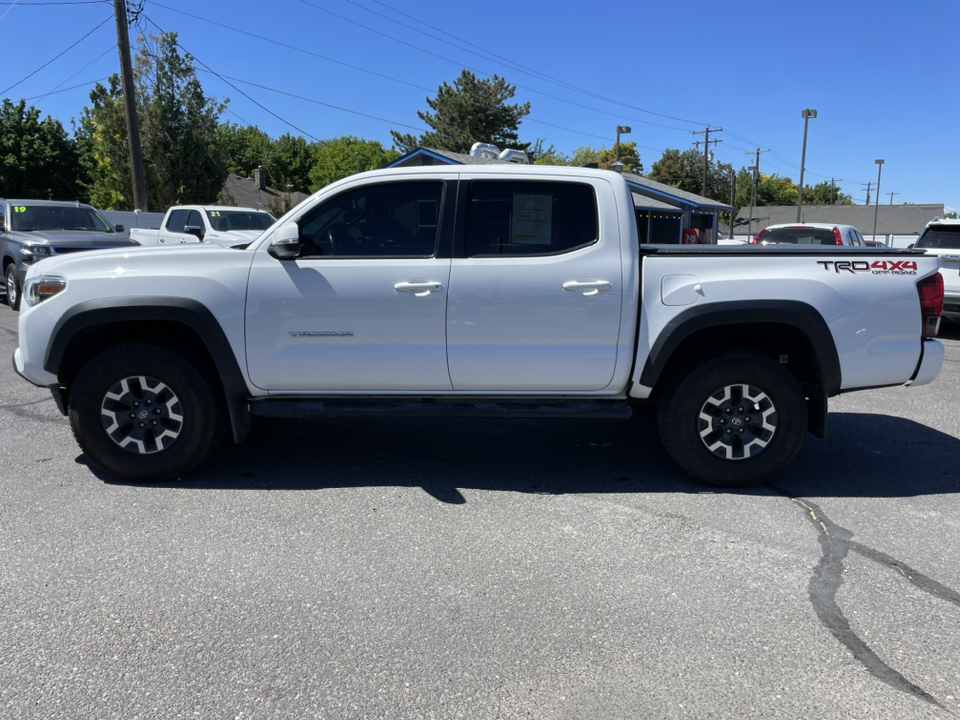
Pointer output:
x,y
882,75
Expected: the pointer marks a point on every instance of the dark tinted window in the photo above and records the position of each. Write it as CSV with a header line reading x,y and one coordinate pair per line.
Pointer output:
x,y
799,236
389,220
944,236
194,219
529,218
178,218
58,217
226,220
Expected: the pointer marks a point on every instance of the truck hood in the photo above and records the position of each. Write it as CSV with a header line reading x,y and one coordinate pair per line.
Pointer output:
x,y
72,239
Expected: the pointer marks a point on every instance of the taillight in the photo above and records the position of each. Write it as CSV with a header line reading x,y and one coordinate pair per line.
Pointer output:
x,y
756,240
838,235
931,303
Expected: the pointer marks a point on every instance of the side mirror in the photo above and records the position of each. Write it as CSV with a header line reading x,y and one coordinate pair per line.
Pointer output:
x,y
118,228
910,246
194,230
285,244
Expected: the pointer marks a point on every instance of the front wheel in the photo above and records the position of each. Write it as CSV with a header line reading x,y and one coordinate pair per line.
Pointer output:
x,y
735,420
143,412
12,281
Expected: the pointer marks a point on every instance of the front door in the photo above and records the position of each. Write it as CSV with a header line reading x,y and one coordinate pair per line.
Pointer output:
x,y
363,309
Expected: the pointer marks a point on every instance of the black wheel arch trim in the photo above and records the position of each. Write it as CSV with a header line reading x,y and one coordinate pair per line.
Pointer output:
x,y
186,311
799,315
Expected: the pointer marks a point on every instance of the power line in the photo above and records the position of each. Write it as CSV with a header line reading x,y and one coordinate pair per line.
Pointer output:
x,y
110,17
53,92
72,87
72,2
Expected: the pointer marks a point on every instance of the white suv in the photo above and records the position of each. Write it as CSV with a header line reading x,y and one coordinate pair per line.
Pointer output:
x,y
942,237
810,234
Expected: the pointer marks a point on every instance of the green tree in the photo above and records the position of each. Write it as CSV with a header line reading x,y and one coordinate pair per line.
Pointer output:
x,y
37,158
289,160
776,190
471,111
826,194
243,148
549,156
344,156
684,171
606,157
179,127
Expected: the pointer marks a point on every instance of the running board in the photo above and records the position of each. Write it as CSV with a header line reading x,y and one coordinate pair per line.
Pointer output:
x,y
340,408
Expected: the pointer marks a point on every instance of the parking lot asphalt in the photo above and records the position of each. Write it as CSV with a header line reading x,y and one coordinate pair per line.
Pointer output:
x,y
385,568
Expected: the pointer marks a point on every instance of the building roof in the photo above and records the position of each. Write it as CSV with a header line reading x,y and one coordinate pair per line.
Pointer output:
x,y
670,194
646,193
891,219
242,192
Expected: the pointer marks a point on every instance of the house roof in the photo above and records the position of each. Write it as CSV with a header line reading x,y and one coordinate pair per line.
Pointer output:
x,y
646,193
891,219
242,192
670,194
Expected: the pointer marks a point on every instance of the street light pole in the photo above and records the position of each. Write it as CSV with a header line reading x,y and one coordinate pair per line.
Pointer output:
x,y
806,115
877,206
626,131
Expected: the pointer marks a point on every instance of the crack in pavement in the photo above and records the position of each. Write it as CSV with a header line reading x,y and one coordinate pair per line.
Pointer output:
x,y
836,542
18,411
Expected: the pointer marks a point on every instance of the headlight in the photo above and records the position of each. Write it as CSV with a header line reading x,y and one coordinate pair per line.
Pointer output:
x,y
32,253
39,289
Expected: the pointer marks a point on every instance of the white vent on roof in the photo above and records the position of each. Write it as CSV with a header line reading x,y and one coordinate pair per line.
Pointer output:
x,y
485,151
518,157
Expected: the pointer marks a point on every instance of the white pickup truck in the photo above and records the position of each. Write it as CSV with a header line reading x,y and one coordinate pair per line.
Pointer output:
x,y
220,225
499,291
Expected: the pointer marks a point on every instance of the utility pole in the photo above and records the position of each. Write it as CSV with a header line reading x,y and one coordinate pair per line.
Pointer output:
x,y
130,105
833,190
891,196
733,200
869,185
753,198
706,153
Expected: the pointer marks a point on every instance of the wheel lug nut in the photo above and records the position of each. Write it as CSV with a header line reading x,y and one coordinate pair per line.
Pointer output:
x,y
741,429
729,431
747,419
739,409
141,425
722,421
133,414
136,404
154,422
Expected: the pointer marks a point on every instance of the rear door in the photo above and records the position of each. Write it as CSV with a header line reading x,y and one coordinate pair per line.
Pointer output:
x,y
535,287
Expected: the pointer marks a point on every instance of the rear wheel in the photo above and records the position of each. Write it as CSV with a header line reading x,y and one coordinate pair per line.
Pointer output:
x,y
735,420
143,412
12,281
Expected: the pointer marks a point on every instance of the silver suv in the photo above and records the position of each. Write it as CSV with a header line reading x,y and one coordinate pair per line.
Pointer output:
x,y
942,237
31,230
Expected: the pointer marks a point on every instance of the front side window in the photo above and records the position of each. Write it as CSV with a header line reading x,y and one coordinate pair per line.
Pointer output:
x,y
386,220
177,221
944,236
27,218
529,218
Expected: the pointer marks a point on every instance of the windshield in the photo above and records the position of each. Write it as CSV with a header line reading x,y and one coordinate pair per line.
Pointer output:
x,y
58,217
799,236
945,236
225,220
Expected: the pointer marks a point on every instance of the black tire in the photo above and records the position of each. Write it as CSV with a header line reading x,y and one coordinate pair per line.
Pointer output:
x,y
735,420
12,283
143,412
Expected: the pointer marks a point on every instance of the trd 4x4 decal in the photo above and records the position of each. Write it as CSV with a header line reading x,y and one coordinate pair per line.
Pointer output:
x,y
880,267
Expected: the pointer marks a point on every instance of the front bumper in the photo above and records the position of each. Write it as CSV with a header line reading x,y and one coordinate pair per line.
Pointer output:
x,y
930,364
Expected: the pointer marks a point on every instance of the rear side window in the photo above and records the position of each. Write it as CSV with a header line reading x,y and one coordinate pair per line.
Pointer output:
x,y
943,236
529,218
178,218
800,236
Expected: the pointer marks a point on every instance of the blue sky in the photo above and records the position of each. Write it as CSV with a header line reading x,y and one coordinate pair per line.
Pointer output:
x,y
881,75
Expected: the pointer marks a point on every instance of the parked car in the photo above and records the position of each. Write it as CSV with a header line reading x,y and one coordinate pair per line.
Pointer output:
x,y
31,230
221,225
810,234
942,237
495,291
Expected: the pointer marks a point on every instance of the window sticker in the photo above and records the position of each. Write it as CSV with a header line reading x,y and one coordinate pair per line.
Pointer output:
x,y
532,219
214,214
20,209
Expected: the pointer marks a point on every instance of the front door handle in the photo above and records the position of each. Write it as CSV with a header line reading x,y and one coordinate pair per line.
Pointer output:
x,y
420,288
587,287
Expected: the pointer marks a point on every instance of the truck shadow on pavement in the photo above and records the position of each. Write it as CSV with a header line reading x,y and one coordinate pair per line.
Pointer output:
x,y
863,455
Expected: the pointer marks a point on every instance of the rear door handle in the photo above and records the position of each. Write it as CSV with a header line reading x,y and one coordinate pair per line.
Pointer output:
x,y
420,288
587,287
